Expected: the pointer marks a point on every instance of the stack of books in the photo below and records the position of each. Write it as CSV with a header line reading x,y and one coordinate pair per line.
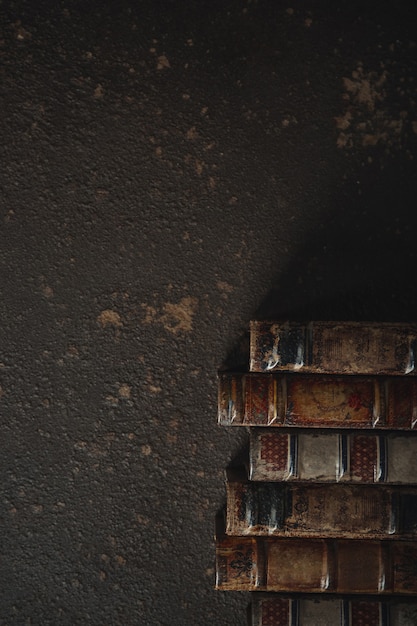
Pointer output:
x,y
323,520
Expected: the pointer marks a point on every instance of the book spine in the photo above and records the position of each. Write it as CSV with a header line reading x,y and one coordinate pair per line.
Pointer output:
x,y
317,565
317,401
329,456
293,611
333,347
239,564
339,511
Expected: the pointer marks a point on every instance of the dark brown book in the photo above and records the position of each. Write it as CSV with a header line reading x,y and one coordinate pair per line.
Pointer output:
x,y
333,347
345,566
320,510
278,610
290,454
317,401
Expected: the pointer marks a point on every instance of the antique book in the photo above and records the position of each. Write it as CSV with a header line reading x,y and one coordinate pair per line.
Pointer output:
x,y
320,510
348,566
332,455
317,400
333,347
279,610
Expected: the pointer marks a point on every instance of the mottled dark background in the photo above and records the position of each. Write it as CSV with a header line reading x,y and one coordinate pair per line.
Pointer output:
x,y
170,170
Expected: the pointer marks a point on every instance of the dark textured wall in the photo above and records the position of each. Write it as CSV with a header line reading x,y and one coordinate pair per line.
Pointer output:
x,y
168,171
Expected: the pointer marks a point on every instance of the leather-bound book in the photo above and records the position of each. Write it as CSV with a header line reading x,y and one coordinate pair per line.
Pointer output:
x,y
320,510
278,610
332,456
346,566
333,347
317,401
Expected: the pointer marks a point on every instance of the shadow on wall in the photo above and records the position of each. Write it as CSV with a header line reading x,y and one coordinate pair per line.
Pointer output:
x,y
360,264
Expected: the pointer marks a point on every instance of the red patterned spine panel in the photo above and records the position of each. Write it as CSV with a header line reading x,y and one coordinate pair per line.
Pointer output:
x,y
275,612
365,613
274,451
257,392
363,458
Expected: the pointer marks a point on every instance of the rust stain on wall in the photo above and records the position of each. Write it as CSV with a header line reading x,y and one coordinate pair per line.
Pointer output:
x,y
365,88
368,120
125,391
176,318
163,62
108,317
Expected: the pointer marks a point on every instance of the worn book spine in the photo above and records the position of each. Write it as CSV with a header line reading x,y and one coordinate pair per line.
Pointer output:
x,y
273,610
317,401
346,566
333,347
332,455
320,510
